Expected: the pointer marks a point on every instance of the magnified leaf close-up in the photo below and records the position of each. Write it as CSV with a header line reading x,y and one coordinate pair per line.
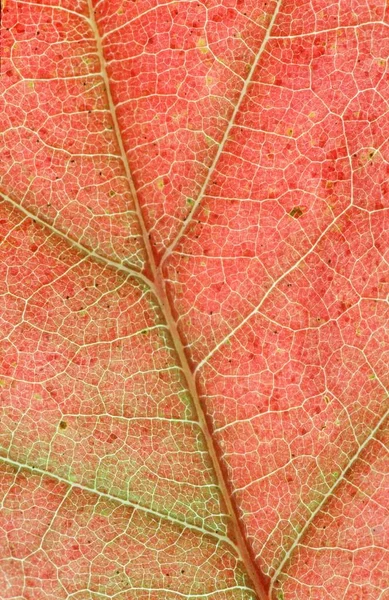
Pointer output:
x,y
194,279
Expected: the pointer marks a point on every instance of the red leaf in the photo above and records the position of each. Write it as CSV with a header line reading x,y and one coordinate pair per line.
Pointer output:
x,y
194,281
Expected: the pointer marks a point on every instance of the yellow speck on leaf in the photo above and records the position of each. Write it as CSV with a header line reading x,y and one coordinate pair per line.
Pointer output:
x,y
312,506
202,45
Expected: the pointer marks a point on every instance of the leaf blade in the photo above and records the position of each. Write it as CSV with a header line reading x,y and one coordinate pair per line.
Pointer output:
x,y
278,337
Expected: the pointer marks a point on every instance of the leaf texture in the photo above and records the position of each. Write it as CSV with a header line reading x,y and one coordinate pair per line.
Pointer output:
x,y
194,281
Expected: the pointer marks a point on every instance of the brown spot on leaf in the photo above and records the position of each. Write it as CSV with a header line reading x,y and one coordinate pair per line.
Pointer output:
x,y
296,212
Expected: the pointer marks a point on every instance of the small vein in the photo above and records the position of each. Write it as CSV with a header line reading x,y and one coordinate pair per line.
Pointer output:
x,y
329,30
77,245
137,17
117,499
173,244
269,291
53,6
326,497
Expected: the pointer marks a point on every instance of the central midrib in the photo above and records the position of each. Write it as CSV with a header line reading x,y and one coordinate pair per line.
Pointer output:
x,y
245,552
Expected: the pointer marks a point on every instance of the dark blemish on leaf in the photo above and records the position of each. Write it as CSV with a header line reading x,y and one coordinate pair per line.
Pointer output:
x,y
296,212
63,424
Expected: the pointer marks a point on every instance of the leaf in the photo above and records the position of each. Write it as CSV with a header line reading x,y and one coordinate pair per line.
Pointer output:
x,y
194,236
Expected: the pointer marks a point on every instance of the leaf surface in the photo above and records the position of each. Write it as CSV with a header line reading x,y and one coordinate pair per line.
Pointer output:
x,y
194,280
